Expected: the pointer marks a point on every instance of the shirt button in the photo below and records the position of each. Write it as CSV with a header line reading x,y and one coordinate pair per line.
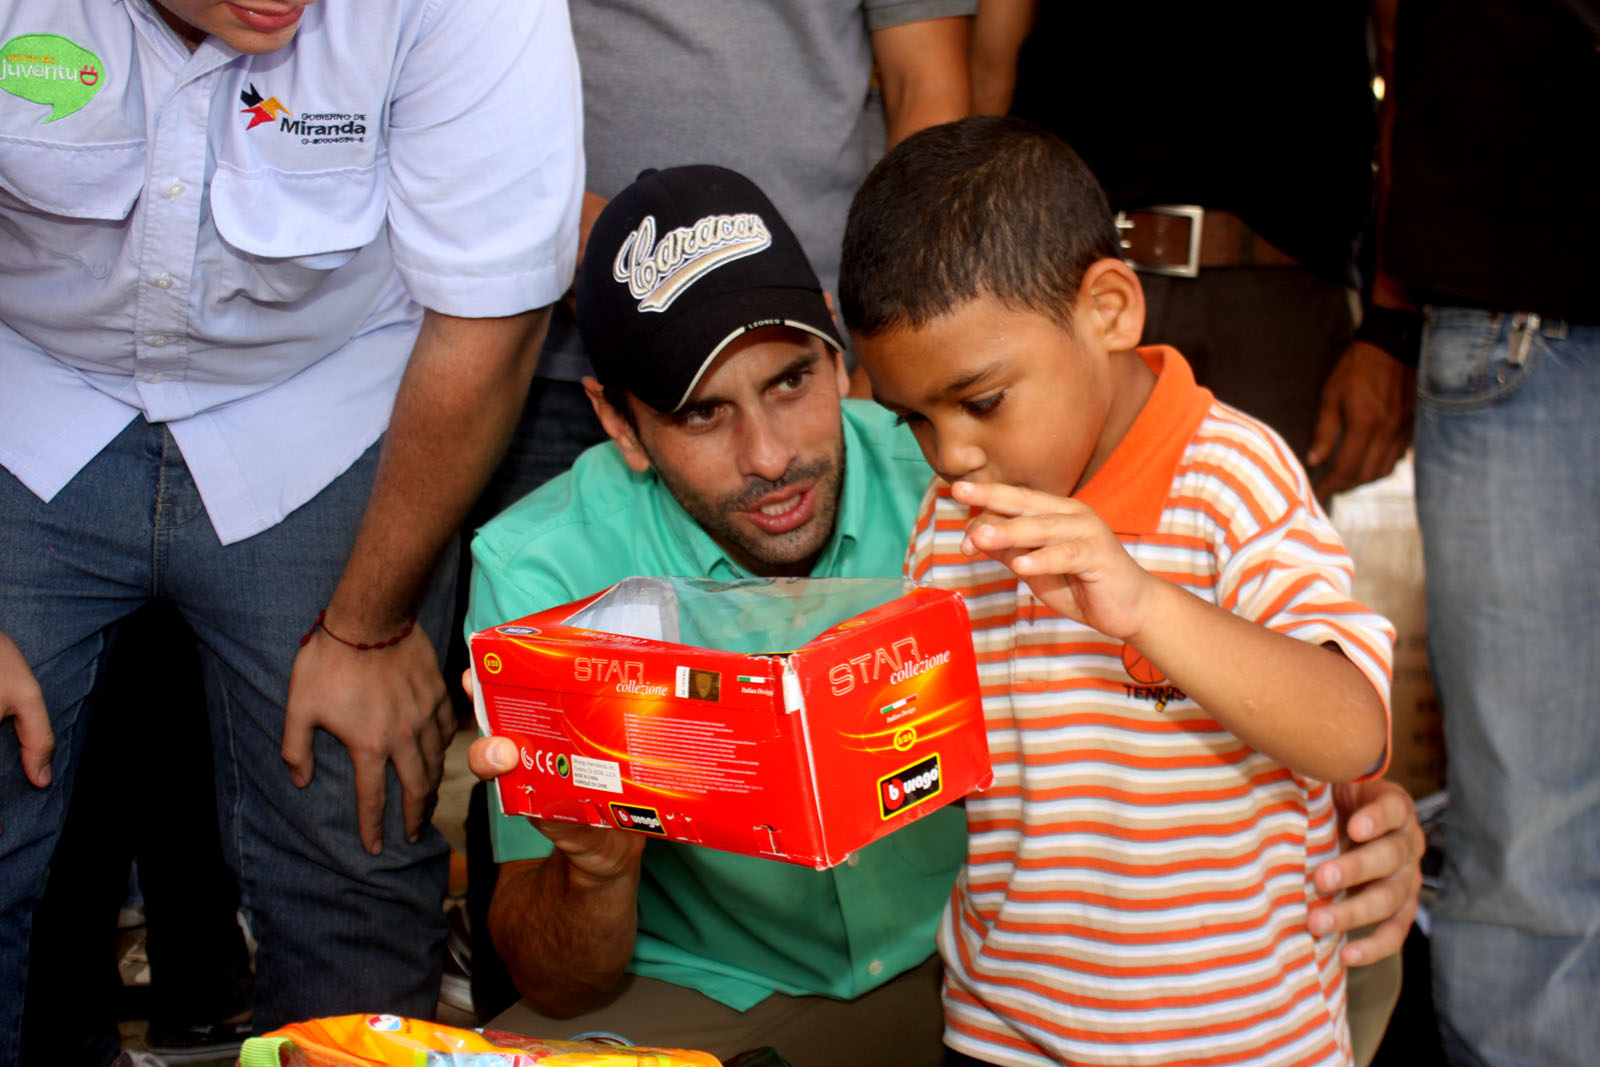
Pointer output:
x,y
175,189
853,860
875,968
163,281
158,341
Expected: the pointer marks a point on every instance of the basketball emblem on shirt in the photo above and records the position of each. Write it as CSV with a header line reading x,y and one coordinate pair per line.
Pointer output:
x,y
1140,669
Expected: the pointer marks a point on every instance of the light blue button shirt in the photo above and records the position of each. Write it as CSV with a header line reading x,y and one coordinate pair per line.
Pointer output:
x,y
241,246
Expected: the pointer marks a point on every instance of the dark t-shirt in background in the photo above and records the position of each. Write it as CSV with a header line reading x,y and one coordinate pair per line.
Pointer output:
x,y
1261,109
1495,198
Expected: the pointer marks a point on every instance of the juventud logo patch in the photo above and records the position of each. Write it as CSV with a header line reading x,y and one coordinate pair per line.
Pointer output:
x,y
49,69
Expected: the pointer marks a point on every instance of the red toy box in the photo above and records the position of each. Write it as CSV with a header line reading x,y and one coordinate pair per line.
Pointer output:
x,y
799,719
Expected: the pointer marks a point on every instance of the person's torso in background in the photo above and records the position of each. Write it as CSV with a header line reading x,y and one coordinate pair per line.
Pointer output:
x,y
1496,149
1264,110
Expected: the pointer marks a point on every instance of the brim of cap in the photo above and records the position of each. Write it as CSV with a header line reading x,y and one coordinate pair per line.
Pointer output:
x,y
719,321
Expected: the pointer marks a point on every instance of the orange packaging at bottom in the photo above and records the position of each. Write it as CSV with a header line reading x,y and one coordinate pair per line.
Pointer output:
x,y
797,719
394,1041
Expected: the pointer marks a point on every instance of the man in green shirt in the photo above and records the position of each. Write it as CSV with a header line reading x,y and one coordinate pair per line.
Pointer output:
x,y
732,455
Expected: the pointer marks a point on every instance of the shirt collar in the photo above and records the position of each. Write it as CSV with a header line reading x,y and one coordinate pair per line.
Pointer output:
x,y
711,560
1129,492
210,54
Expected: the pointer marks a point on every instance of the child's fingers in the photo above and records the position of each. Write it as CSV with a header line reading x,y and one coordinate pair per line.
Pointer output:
x,y
991,533
1012,499
1062,557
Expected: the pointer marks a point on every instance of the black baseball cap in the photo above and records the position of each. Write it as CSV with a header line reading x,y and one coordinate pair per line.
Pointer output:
x,y
680,264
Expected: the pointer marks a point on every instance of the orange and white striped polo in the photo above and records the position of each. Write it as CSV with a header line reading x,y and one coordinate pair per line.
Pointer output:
x,y
1138,880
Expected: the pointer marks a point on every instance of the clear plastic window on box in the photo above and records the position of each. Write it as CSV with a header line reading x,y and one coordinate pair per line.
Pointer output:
x,y
751,616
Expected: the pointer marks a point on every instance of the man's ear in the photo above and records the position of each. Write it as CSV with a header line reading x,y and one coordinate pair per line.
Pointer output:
x,y
1111,304
841,376
617,427
849,384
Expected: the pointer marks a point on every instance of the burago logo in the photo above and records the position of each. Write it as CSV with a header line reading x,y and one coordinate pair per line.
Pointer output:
x,y
46,68
909,786
641,819
261,110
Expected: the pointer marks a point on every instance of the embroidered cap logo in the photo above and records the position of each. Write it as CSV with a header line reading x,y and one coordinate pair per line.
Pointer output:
x,y
656,273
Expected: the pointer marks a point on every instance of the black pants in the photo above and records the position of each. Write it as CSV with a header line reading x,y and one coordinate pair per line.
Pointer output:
x,y
143,791
1263,339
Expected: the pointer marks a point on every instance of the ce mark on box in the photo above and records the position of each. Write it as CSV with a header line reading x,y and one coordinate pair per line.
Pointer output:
x,y
547,762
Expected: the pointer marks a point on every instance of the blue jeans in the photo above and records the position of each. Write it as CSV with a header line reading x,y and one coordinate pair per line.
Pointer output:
x,y
1508,494
339,930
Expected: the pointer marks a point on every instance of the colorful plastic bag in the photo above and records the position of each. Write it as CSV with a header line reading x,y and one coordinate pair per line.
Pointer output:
x,y
393,1041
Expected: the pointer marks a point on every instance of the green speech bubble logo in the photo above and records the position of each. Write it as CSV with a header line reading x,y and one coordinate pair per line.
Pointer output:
x,y
46,68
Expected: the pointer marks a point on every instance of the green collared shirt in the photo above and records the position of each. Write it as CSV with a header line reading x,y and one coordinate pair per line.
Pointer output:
x,y
736,928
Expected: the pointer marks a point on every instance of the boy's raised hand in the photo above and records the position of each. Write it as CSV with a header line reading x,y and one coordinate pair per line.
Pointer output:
x,y
1064,551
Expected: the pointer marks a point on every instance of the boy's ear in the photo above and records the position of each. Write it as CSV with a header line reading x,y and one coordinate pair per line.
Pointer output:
x,y
616,426
1111,304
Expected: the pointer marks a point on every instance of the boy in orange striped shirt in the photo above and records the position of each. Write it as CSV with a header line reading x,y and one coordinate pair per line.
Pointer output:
x,y
1172,666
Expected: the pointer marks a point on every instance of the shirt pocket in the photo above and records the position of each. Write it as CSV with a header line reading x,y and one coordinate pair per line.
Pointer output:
x,y
283,233
66,202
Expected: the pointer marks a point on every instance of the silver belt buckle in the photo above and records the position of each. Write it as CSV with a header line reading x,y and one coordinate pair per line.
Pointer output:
x,y
1196,216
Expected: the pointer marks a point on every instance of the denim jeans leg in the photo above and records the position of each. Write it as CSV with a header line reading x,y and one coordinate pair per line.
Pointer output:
x,y
1508,494
339,930
67,574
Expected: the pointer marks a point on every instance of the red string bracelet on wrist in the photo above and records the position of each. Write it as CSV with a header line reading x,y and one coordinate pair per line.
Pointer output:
x,y
359,646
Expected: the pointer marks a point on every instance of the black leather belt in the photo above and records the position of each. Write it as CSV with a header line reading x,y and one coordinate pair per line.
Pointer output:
x,y
1180,239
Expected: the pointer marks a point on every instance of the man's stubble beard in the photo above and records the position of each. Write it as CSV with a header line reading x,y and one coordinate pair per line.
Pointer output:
x,y
763,549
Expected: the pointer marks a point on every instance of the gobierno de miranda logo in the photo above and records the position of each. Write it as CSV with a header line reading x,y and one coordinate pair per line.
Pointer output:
x,y
325,128
49,69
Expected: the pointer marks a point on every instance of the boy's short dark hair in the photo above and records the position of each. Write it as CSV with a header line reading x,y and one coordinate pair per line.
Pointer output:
x,y
984,206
